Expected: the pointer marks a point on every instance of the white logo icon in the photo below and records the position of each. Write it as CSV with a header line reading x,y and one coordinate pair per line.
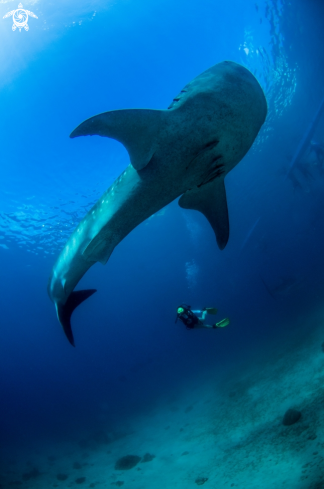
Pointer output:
x,y
20,18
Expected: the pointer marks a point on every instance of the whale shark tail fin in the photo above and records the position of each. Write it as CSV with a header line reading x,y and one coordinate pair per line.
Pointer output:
x,y
64,312
136,129
210,200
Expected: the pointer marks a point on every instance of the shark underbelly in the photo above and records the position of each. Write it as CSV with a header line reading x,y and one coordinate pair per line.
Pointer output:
x,y
132,199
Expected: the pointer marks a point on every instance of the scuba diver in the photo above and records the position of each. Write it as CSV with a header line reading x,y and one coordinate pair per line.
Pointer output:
x,y
192,321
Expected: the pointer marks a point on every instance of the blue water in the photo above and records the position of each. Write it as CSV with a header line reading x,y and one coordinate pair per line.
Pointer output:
x,y
79,59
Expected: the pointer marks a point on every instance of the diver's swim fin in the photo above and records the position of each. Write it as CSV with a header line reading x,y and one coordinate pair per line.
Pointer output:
x,y
211,310
222,323
64,312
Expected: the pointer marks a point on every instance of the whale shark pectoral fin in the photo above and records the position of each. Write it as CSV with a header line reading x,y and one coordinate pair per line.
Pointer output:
x,y
136,129
210,199
64,312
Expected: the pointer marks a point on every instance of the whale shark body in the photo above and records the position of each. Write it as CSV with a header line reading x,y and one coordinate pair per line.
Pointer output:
x,y
186,151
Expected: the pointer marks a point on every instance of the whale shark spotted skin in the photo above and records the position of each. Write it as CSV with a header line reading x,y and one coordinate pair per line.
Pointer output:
x,y
186,150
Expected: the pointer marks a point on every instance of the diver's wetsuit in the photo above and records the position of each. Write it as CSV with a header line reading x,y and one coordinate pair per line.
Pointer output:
x,y
192,321
188,318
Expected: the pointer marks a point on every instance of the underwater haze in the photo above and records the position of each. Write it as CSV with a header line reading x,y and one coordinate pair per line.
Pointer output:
x,y
141,401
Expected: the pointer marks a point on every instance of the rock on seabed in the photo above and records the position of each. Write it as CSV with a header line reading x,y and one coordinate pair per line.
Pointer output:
x,y
291,417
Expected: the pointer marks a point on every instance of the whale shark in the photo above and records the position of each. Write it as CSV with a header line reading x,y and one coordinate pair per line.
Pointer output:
x,y
184,151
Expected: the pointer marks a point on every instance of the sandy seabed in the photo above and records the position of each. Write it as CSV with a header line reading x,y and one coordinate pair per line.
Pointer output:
x,y
224,432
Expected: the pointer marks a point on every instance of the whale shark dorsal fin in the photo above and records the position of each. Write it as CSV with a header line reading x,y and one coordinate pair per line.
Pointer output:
x,y
210,199
136,129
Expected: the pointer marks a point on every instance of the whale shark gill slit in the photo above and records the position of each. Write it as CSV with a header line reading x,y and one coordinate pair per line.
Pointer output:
x,y
64,312
215,172
211,143
203,153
